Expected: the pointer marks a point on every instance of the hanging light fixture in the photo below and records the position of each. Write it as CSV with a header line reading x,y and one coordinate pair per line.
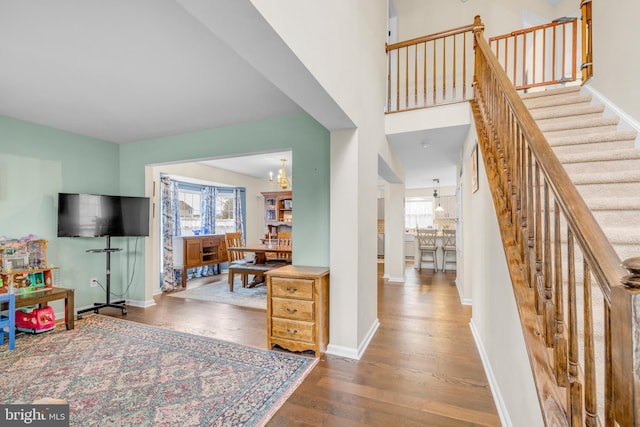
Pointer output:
x,y
282,181
436,194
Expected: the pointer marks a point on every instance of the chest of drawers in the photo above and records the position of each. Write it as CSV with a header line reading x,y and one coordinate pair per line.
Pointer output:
x,y
298,308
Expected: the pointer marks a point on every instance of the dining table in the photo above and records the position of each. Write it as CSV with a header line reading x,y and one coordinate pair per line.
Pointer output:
x,y
261,250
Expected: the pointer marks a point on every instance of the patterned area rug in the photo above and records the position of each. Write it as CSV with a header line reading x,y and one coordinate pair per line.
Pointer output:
x,y
219,292
115,372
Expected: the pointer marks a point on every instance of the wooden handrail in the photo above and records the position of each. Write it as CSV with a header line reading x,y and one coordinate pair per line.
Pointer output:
x,y
546,228
430,37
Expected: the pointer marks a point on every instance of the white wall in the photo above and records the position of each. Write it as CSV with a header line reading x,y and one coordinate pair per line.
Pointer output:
x,y
420,17
342,45
616,53
495,321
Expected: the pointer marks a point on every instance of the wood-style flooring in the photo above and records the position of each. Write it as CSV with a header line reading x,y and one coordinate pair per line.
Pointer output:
x,y
421,368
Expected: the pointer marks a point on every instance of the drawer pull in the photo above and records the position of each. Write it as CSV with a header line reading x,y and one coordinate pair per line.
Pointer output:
x,y
292,290
292,332
289,310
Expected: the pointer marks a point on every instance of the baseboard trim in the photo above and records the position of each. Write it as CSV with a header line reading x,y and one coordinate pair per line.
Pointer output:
x,y
396,279
142,304
463,300
350,352
493,384
626,121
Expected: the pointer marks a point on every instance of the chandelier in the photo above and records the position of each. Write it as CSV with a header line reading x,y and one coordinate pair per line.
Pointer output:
x,y
436,194
282,181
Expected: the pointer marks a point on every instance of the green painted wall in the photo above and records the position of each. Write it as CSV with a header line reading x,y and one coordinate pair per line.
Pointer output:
x,y
37,162
307,139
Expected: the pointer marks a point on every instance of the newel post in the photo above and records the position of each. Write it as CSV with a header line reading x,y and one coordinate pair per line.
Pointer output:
x,y
478,29
625,346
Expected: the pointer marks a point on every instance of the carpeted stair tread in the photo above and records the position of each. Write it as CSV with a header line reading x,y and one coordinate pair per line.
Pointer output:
x,y
551,92
621,235
555,112
625,176
614,203
601,166
558,133
556,101
593,137
594,146
576,123
596,156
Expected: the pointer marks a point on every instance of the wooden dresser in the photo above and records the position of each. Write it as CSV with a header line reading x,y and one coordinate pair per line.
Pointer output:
x,y
198,251
298,308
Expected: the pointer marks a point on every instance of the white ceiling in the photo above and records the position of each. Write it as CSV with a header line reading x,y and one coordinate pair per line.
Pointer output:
x,y
124,71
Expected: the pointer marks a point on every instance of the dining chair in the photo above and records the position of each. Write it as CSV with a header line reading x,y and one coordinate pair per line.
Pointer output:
x,y
448,247
427,245
8,322
284,240
234,240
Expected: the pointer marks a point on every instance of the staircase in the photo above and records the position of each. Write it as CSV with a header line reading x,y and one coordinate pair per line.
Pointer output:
x,y
600,160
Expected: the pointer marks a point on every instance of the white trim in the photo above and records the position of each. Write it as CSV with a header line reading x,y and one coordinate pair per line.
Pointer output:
x,y
463,300
397,279
350,352
143,304
493,384
610,109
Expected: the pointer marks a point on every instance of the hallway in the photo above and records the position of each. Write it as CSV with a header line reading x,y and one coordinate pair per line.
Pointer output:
x,y
421,368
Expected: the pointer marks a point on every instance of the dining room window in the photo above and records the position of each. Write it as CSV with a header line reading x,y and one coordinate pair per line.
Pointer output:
x,y
190,211
193,221
225,213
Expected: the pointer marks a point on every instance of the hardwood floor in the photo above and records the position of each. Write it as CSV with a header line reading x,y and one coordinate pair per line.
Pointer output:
x,y
421,368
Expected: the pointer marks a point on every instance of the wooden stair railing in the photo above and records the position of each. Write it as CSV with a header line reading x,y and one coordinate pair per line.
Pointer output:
x,y
539,56
430,70
582,378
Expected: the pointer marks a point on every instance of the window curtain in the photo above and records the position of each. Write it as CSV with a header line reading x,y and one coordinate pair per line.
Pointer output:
x,y
208,221
170,227
238,213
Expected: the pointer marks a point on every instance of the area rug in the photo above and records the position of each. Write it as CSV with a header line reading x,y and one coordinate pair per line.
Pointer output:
x,y
115,372
219,292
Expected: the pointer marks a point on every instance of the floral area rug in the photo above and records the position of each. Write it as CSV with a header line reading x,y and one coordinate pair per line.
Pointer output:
x,y
114,372
219,292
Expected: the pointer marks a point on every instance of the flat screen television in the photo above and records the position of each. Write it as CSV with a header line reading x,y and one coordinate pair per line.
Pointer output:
x,y
92,215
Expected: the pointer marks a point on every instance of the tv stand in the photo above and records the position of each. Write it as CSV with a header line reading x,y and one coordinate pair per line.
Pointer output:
x,y
114,304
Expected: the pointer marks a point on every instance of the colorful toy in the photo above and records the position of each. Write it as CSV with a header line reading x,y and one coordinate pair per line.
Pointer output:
x,y
36,321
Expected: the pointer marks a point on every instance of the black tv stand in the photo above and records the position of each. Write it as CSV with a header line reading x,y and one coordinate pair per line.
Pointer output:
x,y
114,304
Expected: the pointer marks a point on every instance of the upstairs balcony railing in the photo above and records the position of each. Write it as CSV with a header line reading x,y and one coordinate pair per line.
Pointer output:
x,y
539,56
431,70
437,69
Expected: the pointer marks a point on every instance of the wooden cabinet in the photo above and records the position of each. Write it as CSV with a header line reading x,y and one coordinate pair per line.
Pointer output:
x,y
278,211
298,308
198,251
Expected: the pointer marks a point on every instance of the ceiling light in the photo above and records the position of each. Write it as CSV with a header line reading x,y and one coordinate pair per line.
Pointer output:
x,y
282,180
436,195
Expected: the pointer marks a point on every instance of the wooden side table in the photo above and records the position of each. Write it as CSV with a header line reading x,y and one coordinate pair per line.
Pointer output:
x,y
45,295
